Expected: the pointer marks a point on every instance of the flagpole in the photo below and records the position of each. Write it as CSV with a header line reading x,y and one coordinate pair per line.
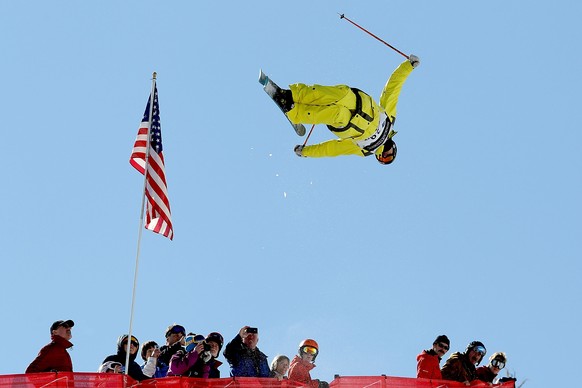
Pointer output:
x,y
141,223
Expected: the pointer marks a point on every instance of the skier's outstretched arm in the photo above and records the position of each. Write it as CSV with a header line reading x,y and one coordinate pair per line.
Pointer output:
x,y
330,148
389,96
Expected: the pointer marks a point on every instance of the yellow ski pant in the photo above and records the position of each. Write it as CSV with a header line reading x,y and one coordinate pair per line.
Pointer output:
x,y
318,104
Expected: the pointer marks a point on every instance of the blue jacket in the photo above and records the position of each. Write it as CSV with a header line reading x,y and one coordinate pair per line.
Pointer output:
x,y
245,362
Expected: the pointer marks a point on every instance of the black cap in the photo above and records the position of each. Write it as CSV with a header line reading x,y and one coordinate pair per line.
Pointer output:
x,y
57,324
442,338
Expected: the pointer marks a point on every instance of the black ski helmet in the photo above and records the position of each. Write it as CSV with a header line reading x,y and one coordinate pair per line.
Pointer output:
x,y
215,337
479,347
381,152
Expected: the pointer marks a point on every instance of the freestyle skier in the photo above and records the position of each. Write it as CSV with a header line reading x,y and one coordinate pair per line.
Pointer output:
x,y
363,126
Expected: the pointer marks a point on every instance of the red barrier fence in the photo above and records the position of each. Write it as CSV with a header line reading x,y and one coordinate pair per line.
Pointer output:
x,y
114,380
111,380
405,382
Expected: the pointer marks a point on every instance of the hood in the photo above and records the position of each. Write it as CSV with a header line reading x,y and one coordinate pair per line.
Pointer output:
x,y
123,355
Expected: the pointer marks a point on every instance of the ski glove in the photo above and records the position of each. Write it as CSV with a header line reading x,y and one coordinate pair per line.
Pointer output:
x,y
298,150
414,60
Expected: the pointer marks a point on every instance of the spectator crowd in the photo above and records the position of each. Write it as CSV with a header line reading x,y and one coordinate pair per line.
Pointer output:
x,y
191,355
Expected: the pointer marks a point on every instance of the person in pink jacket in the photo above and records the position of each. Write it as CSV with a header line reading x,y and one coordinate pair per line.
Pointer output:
x,y
199,360
428,362
303,363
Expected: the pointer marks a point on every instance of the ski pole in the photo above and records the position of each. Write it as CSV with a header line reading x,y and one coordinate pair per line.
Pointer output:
x,y
342,16
309,134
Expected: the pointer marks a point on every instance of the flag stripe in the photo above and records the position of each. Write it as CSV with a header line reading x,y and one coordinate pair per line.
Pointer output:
x,y
158,215
157,202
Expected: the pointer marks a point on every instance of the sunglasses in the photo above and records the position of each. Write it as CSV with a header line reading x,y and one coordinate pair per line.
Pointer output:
x,y
310,350
444,346
498,364
134,342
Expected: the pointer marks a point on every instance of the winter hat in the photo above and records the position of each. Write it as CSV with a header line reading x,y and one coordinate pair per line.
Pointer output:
x,y
442,338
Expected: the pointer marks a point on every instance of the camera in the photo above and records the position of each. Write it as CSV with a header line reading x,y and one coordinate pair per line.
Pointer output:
x,y
206,346
252,330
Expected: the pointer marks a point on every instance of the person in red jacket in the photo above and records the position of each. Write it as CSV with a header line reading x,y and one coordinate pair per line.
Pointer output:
x,y
54,356
428,362
303,363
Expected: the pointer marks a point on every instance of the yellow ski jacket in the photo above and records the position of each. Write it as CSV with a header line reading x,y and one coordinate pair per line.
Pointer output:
x,y
357,132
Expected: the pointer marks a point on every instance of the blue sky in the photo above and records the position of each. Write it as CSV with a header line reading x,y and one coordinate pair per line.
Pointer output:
x,y
473,232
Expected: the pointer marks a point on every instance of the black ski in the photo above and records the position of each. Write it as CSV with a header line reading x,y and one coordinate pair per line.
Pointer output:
x,y
271,88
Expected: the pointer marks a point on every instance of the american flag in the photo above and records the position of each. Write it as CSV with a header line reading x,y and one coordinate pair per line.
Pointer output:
x,y
158,218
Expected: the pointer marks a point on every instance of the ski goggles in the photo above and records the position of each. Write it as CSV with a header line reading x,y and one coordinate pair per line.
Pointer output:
x,y
113,365
388,152
480,349
309,350
192,341
176,329
386,158
498,364
110,366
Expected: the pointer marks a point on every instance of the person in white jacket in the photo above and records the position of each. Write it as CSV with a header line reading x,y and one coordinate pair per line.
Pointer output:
x,y
149,353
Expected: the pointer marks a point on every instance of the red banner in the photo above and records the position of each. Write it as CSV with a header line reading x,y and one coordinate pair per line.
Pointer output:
x,y
405,382
111,380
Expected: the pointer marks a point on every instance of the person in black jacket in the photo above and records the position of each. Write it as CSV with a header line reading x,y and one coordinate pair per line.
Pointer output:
x,y
175,335
133,369
244,357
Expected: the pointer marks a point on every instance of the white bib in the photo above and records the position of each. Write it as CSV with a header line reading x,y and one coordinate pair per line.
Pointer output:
x,y
379,136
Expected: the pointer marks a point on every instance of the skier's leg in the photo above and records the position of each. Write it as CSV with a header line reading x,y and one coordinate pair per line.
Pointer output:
x,y
323,95
317,104
334,115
